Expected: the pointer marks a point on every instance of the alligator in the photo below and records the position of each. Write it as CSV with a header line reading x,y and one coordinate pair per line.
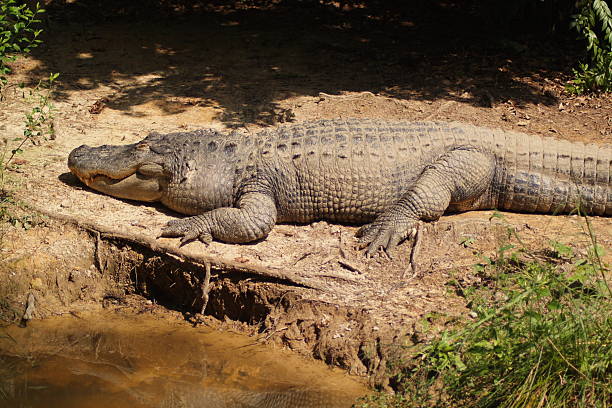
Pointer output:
x,y
388,175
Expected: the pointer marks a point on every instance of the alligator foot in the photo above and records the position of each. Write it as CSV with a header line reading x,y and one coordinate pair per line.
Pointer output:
x,y
188,229
386,233
415,235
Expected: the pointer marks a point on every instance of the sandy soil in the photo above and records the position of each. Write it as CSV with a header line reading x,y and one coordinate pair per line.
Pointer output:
x,y
252,68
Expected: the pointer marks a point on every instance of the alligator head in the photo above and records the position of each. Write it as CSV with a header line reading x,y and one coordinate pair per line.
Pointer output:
x,y
134,171
189,172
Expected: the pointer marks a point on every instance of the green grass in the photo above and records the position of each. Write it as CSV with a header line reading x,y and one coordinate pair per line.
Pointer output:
x,y
542,338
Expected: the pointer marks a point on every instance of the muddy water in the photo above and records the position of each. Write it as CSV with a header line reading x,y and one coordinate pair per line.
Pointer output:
x,y
111,361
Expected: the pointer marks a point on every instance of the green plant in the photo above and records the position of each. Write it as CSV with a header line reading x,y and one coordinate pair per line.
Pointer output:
x,y
541,338
18,36
38,123
17,33
594,25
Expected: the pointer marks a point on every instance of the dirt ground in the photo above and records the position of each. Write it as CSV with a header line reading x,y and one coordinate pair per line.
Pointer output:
x,y
305,287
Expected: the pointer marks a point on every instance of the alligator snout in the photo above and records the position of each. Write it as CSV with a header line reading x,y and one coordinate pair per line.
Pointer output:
x,y
110,161
76,154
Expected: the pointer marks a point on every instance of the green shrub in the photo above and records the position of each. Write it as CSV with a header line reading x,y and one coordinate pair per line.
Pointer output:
x,y
541,338
38,124
17,33
17,37
594,24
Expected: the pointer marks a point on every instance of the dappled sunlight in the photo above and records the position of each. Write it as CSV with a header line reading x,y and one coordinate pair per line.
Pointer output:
x,y
248,60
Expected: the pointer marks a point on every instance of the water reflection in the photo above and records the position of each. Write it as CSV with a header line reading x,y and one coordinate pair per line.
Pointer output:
x,y
112,361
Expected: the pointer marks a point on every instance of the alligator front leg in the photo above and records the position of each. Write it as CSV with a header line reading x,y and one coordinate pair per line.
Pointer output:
x,y
253,219
458,176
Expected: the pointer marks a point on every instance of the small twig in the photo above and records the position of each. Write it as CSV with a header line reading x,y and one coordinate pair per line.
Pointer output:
x,y
324,95
5,164
97,253
270,334
344,277
29,310
205,286
75,314
282,297
414,253
341,246
565,359
347,265
304,256
327,260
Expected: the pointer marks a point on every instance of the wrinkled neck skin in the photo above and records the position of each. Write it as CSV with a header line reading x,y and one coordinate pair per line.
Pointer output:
x,y
199,182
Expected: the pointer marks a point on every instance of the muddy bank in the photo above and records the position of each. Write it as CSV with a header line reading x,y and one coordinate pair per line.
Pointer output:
x,y
357,318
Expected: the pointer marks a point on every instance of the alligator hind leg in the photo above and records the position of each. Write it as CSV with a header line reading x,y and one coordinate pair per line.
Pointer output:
x,y
253,219
460,175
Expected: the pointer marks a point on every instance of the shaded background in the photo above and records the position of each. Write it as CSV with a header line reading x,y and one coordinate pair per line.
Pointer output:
x,y
216,53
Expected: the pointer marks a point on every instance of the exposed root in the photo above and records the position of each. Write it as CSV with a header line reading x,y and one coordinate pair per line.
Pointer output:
x,y
30,309
205,287
414,254
171,248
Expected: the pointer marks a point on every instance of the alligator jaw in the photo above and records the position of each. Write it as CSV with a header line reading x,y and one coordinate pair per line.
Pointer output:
x,y
128,171
133,187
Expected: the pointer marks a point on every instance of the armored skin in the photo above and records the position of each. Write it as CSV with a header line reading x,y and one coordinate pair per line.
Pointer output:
x,y
388,175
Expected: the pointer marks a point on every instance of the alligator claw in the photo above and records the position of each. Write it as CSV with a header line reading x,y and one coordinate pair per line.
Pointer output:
x,y
186,231
188,237
385,235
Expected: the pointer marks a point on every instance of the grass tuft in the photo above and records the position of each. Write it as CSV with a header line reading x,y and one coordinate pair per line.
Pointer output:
x,y
541,338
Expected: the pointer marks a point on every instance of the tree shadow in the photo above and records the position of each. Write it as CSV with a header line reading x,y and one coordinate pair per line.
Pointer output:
x,y
245,60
